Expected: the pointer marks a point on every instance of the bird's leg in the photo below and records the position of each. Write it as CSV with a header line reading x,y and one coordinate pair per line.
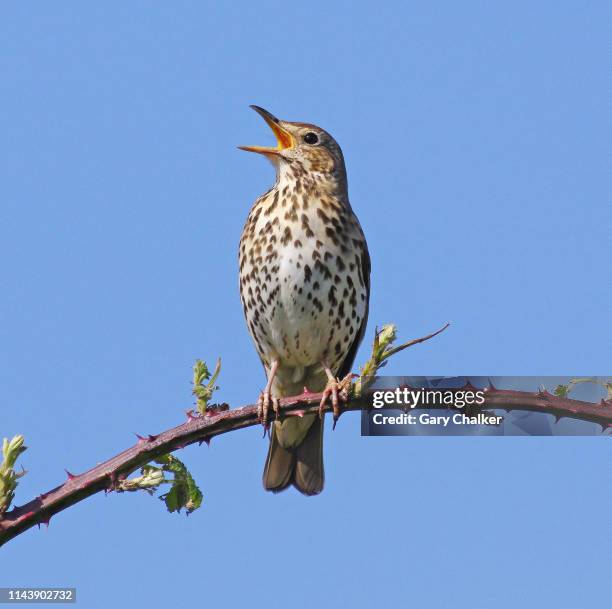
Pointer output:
x,y
337,389
263,404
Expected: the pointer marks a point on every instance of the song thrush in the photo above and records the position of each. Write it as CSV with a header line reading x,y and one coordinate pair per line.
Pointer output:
x,y
304,286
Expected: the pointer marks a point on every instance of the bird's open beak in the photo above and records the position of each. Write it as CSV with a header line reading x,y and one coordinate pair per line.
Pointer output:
x,y
283,137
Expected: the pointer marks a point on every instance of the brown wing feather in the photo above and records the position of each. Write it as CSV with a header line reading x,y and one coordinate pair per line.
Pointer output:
x,y
347,363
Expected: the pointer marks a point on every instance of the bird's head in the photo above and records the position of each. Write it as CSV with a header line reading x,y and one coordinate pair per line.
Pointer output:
x,y
302,149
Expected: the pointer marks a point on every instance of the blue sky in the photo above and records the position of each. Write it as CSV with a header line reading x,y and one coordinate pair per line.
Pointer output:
x,y
477,146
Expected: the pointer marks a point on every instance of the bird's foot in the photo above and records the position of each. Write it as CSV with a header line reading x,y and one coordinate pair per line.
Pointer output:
x,y
338,391
263,407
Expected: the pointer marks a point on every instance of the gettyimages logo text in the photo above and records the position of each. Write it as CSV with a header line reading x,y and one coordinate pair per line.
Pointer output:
x,y
418,398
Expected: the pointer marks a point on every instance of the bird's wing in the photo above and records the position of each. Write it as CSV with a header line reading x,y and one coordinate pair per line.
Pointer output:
x,y
347,364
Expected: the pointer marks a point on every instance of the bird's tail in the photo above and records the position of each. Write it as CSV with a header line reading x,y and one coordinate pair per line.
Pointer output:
x,y
295,456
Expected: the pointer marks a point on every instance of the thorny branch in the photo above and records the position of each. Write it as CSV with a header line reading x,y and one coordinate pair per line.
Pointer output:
x,y
216,420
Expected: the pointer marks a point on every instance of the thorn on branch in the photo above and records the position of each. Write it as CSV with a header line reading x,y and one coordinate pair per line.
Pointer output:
x,y
45,521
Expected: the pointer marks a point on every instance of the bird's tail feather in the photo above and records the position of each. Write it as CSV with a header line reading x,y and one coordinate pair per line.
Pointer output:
x,y
300,465
280,463
309,476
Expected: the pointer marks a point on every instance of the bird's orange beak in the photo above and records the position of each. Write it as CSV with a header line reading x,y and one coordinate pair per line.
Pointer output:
x,y
283,137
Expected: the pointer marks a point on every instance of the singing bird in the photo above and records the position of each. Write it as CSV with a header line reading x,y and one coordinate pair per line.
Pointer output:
x,y
304,287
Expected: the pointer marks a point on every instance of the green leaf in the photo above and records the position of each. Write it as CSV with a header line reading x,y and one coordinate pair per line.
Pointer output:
x,y
150,480
184,492
11,449
382,350
204,384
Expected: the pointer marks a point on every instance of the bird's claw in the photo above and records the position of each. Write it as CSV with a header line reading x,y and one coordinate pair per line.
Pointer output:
x,y
263,407
338,390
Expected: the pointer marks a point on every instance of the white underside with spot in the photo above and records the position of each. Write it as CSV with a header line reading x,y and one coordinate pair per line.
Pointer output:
x,y
292,328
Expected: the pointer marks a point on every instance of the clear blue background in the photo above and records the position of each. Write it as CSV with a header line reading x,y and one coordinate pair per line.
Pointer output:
x,y
477,143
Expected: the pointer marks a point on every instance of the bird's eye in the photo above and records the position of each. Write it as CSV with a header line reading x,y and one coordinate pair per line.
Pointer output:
x,y
311,138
